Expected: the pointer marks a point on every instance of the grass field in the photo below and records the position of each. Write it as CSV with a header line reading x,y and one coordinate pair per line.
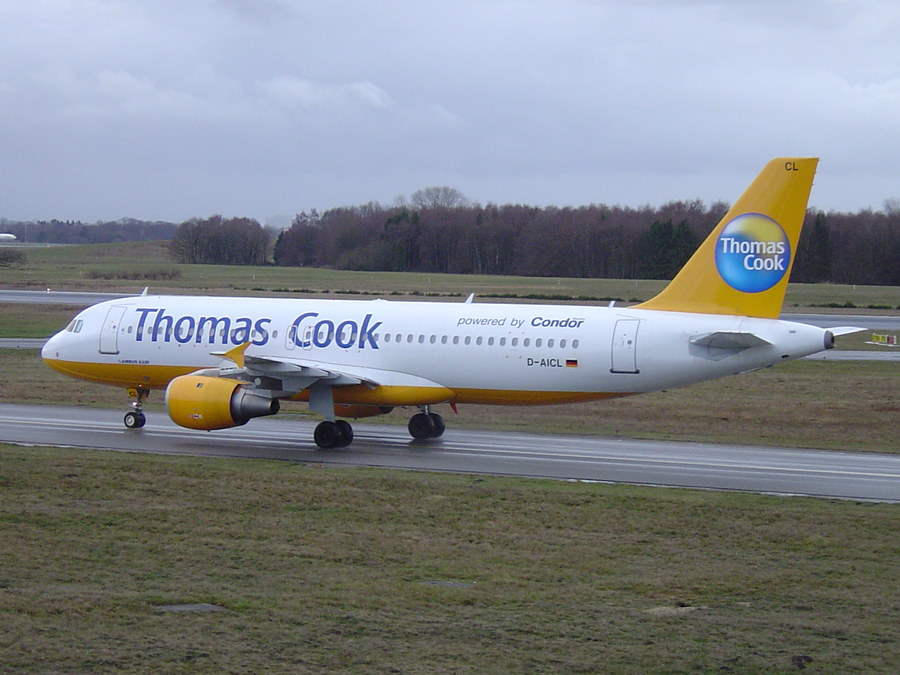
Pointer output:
x,y
379,571
83,268
364,570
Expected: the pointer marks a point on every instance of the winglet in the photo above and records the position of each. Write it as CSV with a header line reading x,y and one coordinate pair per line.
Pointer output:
x,y
742,267
235,355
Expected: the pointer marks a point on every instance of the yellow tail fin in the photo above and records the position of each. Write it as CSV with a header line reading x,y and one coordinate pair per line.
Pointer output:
x,y
743,266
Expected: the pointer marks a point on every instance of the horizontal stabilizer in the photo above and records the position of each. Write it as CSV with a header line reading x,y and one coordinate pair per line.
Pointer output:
x,y
845,330
731,340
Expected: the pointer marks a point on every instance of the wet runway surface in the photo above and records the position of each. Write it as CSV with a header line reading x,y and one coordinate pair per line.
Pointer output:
x,y
848,475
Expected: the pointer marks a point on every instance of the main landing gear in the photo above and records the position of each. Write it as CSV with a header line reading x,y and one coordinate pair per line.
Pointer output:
x,y
135,419
335,434
426,424
339,434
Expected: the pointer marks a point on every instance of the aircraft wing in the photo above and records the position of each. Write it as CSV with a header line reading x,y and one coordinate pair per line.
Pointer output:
x,y
286,375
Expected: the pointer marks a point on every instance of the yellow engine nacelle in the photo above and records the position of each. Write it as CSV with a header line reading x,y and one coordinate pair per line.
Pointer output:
x,y
207,403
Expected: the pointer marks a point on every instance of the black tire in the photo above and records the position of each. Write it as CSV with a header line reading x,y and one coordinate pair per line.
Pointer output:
x,y
439,425
421,426
346,432
135,420
327,435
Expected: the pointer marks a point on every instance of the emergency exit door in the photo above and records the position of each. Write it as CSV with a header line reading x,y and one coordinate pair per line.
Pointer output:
x,y
624,346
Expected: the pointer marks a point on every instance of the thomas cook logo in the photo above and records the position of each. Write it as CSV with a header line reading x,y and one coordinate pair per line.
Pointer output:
x,y
752,253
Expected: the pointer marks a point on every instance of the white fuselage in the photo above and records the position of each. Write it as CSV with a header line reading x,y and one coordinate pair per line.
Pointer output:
x,y
484,353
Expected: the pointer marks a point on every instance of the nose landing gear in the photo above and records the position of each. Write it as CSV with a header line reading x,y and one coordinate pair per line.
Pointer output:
x,y
135,418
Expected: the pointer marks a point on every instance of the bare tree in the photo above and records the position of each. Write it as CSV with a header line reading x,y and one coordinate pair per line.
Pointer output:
x,y
438,197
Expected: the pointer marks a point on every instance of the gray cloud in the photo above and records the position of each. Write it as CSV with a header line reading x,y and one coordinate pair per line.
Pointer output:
x,y
175,109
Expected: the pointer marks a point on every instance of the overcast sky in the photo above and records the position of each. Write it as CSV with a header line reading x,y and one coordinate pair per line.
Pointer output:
x,y
171,109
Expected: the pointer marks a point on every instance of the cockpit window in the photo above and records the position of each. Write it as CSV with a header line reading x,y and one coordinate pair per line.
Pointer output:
x,y
75,326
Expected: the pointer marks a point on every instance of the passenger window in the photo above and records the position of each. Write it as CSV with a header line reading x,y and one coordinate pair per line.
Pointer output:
x,y
562,344
387,337
537,343
468,340
433,339
456,339
550,343
526,342
490,341
421,339
503,342
574,344
409,338
443,339
515,342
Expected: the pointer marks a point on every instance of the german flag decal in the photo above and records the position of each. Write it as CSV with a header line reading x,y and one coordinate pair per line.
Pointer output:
x,y
571,363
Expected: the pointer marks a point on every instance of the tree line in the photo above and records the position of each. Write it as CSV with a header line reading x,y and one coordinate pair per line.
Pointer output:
x,y
221,241
595,241
77,232
439,230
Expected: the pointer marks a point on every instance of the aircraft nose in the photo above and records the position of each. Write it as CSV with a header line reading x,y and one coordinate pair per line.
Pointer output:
x,y
50,350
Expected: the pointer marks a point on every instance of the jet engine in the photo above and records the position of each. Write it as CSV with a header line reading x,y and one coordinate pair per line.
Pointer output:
x,y
207,403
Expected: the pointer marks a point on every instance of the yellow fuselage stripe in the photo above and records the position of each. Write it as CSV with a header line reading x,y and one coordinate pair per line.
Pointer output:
x,y
158,377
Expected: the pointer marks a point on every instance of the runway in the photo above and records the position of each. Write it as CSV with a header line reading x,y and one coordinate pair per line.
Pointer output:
x,y
847,475
51,297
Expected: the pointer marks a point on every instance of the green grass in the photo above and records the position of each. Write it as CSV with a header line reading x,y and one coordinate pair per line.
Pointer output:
x,y
71,267
33,320
382,571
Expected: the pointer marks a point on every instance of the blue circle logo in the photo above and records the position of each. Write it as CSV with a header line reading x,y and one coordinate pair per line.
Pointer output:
x,y
753,253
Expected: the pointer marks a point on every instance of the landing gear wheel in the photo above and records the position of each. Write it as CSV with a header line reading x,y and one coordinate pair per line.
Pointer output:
x,y
421,426
327,435
346,432
439,426
135,419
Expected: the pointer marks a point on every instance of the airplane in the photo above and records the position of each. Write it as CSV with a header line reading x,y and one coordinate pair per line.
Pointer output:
x,y
7,237
225,360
